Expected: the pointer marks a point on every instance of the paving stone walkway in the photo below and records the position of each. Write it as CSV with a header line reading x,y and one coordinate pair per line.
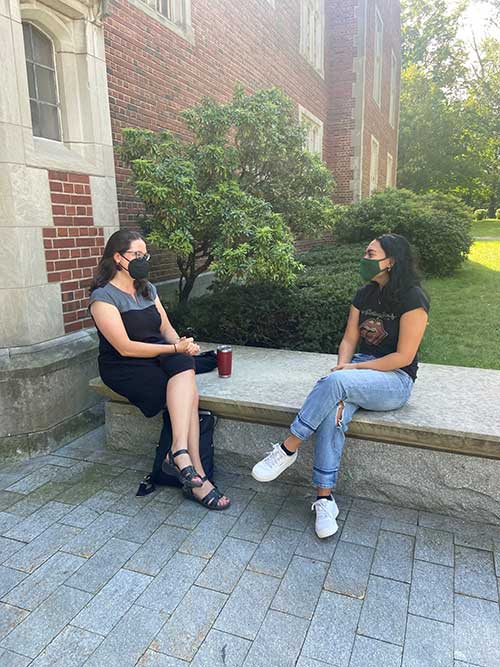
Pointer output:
x,y
91,575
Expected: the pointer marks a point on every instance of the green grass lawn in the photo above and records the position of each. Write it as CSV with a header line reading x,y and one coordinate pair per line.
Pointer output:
x,y
464,326
489,227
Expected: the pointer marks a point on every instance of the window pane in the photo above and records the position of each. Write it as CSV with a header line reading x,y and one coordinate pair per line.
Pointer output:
x,y
49,122
27,40
46,84
42,49
35,120
31,80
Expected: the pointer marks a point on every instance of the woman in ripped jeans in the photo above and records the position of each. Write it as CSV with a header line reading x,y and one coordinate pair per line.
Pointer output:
x,y
387,319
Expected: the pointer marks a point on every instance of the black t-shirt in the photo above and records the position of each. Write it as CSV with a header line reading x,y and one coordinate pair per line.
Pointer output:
x,y
379,323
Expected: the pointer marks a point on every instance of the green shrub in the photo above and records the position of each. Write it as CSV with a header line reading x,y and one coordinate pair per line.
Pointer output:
x,y
437,226
497,214
309,316
480,213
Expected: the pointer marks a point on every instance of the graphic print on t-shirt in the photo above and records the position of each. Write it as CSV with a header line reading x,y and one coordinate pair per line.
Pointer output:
x,y
373,331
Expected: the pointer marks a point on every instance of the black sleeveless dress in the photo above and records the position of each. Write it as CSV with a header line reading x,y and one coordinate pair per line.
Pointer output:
x,y
143,381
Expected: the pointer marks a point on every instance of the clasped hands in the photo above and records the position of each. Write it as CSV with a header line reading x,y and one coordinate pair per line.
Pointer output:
x,y
187,346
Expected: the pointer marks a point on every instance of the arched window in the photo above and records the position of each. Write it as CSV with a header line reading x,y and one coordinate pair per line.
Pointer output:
x,y
42,84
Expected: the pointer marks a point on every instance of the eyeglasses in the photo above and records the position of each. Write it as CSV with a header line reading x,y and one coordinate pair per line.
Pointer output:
x,y
138,254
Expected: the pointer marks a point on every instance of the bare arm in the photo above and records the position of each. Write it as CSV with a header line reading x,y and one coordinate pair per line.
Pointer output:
x,y
411,331
110,324
350,339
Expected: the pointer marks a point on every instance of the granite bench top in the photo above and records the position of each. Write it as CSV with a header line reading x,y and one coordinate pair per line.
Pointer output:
x,y
452,408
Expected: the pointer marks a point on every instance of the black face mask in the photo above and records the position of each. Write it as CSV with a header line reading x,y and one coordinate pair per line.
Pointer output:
x,y
138,268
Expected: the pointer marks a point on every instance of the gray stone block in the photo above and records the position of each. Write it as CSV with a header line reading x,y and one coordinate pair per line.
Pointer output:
x,y
226,566
431,593
167,589
140,527
332,631
221,650
295,513
385,511
475,573
80,517
35,553
130,504
435,546
8,548
154,659
190,623
91,539
254,522
374,653
393,556
112,602
8,579
70,648
350,569
239,498
301,587
309,662
34,480
105,563
208,535
102,501
384,611
186,515
31,636
7,521
34,525
428,643
8,499
399,527
10,617
129,639
279,641
311,546
36,588
361,529
155,552
13,659
275,551
477,631
250,600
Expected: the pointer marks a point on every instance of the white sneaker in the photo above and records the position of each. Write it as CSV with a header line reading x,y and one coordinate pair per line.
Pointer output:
x,y
326,513
273,464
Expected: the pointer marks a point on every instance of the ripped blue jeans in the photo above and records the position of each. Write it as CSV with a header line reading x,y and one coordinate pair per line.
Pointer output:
x,y
356,388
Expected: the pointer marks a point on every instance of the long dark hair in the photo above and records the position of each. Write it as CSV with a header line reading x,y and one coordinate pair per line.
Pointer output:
x,y
106,270
404,273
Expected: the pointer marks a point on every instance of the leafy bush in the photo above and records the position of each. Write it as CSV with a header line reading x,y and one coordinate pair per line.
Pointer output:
x,y
309,316
480,213
497,214
437,225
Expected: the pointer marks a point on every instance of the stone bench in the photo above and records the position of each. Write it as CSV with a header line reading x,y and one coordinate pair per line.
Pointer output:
x,y
408,456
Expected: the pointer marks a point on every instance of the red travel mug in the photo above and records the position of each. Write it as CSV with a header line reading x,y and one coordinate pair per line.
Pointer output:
x,y
224,360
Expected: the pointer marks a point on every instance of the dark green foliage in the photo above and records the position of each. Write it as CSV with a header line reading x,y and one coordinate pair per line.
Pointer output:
x,y
311,315
437,225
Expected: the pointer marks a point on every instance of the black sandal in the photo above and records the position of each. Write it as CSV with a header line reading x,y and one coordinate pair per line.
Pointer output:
x,y
186,475
210,501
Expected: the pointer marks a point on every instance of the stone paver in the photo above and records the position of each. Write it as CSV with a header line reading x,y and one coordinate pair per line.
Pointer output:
x,y
92,575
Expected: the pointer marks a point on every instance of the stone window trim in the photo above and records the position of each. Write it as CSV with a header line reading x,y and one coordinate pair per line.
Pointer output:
x,y
314,138
85,144
181,27
389,177
312,33
378,50
374,164
393,90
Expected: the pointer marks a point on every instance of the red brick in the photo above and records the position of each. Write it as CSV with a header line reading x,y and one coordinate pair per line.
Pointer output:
x,y
63,264
80,199
78,178
69,188
59,198
48,232
55,186
86,262
47,243
58,176
69,286
64,243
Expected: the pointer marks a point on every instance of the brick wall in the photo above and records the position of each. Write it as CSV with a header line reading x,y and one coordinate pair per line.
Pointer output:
x,y
73,245
376,119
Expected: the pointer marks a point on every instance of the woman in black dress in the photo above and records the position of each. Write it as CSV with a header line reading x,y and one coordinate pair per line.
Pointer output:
x,y
142,358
